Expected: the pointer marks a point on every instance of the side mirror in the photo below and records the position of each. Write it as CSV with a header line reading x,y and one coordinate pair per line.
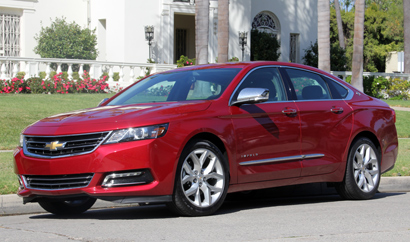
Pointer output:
x,y
252,95
103,101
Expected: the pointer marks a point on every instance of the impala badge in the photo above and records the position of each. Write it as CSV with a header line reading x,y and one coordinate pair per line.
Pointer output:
x,y
53,146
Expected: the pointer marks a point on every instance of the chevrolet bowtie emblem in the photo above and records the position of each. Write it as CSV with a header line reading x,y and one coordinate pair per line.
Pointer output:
x,y
53,146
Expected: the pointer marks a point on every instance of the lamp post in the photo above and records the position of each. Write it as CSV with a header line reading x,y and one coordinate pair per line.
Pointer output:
x,y
149,36
243,39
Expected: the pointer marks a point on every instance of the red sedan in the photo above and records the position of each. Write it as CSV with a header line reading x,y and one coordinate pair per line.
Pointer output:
x,y
187,137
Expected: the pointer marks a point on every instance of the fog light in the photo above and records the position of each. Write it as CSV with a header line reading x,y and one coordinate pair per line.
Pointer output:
x,y
128,178
21,184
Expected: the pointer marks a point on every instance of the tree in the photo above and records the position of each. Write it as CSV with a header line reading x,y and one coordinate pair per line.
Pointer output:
x,y
339,25
357,63
201,31
66,40
265,46
324,34
337,57
223,30
406,10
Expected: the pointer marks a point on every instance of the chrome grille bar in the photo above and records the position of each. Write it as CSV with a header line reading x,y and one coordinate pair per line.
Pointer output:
x,y
57,182
63,146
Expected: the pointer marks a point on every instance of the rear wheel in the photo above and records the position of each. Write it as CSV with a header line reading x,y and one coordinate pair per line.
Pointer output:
x,y
362,176
202,180
67,207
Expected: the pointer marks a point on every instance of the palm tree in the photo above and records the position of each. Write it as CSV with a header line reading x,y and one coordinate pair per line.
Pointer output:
x,y
357,62
324,34
339,25
201,31
406,9
223,30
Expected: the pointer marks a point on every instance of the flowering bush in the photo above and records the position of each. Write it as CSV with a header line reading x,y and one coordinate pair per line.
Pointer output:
x,y
57,84
14,85
185,61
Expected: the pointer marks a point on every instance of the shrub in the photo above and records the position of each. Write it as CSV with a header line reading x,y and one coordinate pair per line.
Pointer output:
x,y
185,61
338,59
233,59
66,40
264,46
399,89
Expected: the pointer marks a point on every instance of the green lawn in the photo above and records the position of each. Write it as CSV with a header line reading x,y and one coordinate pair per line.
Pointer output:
x,y
17,111
8,180
398,103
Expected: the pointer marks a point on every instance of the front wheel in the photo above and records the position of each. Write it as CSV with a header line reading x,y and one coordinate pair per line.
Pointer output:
x,y
362,176
202,180
68,207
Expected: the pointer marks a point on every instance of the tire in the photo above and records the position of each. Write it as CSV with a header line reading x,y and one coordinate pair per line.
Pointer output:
x,y
362,176
68,207
201,181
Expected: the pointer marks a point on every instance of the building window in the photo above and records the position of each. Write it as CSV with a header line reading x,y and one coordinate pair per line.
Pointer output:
x,y
266,22
294,48
181,43
9,35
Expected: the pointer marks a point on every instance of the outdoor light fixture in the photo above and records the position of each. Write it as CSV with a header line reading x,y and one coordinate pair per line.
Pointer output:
x,y
149,36
243,39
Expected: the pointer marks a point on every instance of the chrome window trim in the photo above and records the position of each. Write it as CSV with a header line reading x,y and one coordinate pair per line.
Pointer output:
x,y
257,68
27,153
350,91
281,159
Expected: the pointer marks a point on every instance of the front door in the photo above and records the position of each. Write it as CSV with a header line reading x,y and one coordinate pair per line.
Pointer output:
x,y
267,134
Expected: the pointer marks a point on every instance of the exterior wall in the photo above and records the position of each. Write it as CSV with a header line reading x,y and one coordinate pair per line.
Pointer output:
x,y
296,17
124,35
37,13
120,25
240,19
395,62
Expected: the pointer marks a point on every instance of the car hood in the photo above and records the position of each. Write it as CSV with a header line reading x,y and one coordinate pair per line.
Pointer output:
x,y
113,117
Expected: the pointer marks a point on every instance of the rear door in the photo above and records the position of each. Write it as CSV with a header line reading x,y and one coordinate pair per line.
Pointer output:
x,y
267,134
326,121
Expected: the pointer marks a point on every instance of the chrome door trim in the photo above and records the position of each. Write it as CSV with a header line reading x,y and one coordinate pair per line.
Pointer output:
x,y
281,159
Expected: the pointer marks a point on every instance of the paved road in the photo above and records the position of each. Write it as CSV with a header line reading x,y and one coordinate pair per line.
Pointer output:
x,y
322,218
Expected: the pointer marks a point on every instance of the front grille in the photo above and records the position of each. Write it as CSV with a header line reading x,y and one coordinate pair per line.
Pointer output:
x,y
60,146
57,182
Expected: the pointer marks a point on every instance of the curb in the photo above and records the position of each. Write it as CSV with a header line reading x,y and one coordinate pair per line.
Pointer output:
x,y
13,204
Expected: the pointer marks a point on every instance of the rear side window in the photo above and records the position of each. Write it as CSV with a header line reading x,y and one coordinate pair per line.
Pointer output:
x,y
338,91
308,86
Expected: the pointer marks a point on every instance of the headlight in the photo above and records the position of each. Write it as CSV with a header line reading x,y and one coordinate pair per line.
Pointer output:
x,y
21,140
140,133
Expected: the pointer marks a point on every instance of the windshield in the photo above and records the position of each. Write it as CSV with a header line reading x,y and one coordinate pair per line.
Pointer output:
x,y
178,86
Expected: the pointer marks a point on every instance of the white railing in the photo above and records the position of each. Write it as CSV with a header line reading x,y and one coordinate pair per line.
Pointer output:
x,y
32,67
345,74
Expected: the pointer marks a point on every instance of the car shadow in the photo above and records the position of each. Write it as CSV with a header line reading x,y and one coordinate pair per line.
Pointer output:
x,y
261,199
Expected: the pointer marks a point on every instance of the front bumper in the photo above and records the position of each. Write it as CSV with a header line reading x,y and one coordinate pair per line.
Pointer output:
x,y
156,156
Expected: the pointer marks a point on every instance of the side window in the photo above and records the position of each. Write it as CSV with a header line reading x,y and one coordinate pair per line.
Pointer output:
x,y
308,86
338,91
268,78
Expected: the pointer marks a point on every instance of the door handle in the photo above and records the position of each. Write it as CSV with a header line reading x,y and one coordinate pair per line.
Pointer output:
x,y
289,111
336,110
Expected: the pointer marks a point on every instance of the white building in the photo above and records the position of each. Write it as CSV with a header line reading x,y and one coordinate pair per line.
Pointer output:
x,y
120,25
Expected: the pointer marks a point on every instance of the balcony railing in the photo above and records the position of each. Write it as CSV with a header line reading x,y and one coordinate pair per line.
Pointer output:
x,y
127,72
